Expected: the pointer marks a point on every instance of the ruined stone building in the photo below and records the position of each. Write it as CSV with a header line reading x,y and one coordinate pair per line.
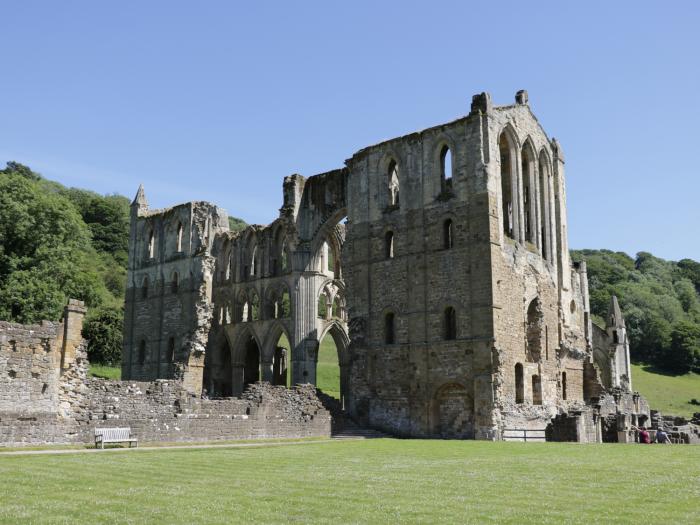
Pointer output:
x,y
438,261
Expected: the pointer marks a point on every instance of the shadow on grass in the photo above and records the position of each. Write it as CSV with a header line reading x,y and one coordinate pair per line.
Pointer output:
x,y
654,369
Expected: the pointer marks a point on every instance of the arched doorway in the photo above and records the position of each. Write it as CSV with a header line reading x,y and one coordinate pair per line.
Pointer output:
x,y
281,361
453,412
328,367
251,363
332,365
223,387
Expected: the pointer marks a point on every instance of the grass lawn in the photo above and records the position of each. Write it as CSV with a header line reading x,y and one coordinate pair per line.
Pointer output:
x,y
327,369
105,372
372,481
667,393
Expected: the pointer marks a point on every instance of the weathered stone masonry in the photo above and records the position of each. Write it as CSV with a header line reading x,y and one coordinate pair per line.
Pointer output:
x,y
448,290
46,397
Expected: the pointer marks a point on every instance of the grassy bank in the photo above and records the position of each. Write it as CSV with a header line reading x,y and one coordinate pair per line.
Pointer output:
x,y
667,393
377,481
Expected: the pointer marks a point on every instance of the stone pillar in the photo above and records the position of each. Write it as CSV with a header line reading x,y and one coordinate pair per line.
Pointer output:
x,y
267,372
305,353
561,234
237,379
73,315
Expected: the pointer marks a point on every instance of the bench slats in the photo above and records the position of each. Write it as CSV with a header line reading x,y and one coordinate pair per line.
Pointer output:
x,y
114,435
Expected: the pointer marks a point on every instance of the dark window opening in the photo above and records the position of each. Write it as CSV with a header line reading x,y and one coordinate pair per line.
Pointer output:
x,y
448,234
519,384
142,352
389,336
389,245
450,323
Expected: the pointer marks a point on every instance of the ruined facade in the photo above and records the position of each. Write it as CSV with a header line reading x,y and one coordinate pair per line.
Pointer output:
x,y
448,288
46,396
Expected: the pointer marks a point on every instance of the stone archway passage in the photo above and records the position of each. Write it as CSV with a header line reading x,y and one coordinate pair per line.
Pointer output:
x,y
453,413
251,371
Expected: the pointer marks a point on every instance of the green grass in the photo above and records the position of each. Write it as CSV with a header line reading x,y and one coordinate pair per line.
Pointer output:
x,y
105,372
327,369
372,481
667,393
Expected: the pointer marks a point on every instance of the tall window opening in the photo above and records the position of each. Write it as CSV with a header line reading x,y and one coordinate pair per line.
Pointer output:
x,y
389,335
254,307
507,163
529,196
322,306
545,211
142,352
151,245
446,168
536,390
170,357
144,288
535,330
519,384
393,175
389,245
447,234
174,283
179,237
450,323
563,386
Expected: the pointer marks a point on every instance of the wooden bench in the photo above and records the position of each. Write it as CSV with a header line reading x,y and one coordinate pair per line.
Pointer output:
x,y
524,434
114,435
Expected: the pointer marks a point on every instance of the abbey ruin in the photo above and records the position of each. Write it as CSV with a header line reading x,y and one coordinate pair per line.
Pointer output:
x,y
437,261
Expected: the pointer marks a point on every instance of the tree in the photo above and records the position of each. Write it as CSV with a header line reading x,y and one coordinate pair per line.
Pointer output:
x,y
103,330
684,352
46,254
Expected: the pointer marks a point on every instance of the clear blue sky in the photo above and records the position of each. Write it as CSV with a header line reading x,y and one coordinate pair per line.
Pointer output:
x,y
220,100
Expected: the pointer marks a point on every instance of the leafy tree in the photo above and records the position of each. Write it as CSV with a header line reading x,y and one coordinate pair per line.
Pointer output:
x,y
103,330
684,352
235,224
656,296
46,253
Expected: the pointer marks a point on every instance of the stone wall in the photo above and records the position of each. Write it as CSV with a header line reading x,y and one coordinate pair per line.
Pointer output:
x,y
42,402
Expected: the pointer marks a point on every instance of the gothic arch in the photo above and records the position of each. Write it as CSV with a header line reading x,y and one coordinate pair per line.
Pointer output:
x,y
530,196
509,147
452,412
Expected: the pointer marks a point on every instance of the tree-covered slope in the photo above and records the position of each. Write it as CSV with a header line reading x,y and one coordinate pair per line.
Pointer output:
x,y
660,301
58,243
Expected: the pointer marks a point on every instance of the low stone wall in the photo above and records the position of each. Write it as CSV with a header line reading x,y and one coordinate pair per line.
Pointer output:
x,y
162,411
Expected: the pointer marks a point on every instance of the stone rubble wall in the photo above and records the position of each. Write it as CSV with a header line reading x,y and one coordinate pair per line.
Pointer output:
x,y
41,403
29,367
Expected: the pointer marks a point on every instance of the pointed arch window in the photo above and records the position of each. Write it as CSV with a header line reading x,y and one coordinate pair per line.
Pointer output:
x,y
151,245
393,176
179,237
389,245
529,193
447,234
174,283
519,384
508,204
446,168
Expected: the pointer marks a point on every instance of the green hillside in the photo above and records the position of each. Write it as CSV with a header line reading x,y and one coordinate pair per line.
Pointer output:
x,y
660,301
671,395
